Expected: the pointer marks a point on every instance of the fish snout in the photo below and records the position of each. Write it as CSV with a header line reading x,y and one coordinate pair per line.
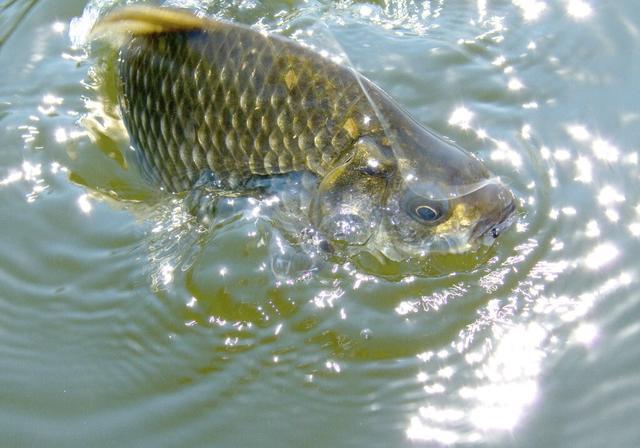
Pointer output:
x,y
497,206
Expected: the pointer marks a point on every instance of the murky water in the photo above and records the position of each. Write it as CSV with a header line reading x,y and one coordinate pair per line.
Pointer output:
x,y
123,324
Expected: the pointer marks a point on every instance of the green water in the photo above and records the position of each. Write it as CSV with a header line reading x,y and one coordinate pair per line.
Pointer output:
x,y
114,332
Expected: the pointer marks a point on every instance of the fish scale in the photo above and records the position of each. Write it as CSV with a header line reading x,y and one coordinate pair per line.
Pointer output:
x,y
237,103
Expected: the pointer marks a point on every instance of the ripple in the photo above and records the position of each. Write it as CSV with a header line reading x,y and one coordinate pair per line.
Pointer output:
x,y
152,330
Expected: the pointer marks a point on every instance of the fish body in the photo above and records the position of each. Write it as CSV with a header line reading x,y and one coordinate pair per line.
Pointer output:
x,y
204,96
238,103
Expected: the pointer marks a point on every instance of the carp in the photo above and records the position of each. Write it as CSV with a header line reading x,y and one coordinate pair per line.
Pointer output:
x,y
209,99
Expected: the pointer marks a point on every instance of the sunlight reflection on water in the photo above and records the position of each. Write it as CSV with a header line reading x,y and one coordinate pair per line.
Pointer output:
x,y
530,302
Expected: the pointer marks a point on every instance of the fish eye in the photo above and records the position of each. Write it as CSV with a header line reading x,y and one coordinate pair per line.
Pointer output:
x,y
427,213
423,210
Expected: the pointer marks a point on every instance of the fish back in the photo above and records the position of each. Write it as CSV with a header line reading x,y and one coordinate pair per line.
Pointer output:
x,y
223,97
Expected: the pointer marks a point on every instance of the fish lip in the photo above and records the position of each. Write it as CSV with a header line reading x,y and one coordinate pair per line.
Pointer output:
x,y
487,230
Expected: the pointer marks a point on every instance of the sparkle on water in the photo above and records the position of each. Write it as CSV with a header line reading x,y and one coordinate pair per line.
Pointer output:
x,y
471,347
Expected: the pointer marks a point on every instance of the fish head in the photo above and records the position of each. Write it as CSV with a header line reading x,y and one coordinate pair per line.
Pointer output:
x,y
442,198
417,223
411,195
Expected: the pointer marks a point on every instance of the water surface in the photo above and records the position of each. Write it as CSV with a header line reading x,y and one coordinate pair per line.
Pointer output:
x,y
123,325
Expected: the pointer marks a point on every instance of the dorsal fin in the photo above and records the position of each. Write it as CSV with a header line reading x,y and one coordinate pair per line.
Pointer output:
x,y
141,20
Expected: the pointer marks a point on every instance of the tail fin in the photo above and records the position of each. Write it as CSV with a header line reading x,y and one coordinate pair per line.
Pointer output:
x,y
142,20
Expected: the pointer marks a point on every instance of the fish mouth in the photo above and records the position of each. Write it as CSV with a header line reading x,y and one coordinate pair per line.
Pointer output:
x,y
488,229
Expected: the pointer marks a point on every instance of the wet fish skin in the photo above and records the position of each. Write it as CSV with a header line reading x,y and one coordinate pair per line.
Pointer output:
x,y
200,96
238,103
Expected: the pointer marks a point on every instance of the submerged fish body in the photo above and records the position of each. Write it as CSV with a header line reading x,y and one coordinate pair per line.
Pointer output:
x,y
200,96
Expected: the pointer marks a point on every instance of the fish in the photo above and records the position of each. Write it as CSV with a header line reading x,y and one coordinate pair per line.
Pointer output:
x,y
216,104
